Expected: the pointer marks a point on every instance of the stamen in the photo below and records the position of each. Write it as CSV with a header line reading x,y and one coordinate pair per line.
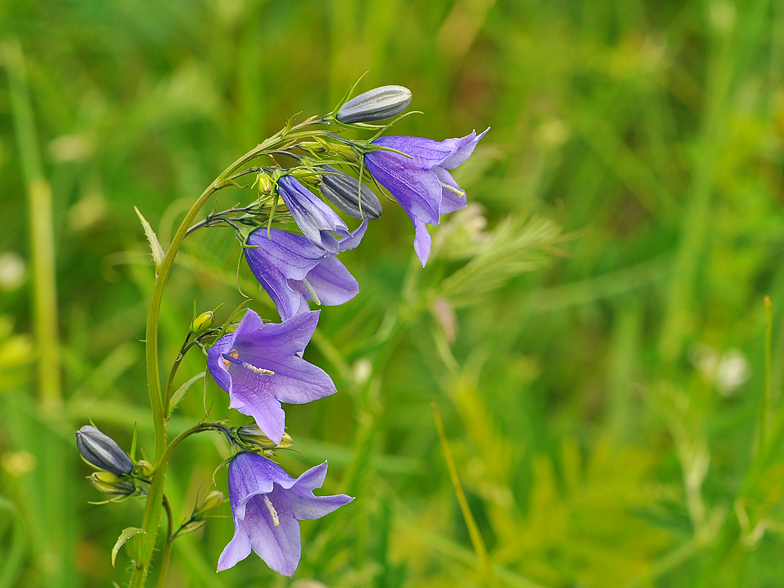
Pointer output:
x,y
271,509
452,189
311,291
232,357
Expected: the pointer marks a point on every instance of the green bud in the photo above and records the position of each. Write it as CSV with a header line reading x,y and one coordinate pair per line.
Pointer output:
x,y
108,483
145,468
202,322
191,526
252,435
374,105
265,183
210,502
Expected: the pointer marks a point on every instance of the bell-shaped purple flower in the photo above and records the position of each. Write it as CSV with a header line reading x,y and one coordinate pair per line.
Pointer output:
x,y
266,504
260,367
315,219
421,183
293,270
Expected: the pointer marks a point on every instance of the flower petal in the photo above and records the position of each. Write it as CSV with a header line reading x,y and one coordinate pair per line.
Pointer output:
x,y
278,545
313,217
259,403
237,549
331,281
461,149
417,190
425,153
450,202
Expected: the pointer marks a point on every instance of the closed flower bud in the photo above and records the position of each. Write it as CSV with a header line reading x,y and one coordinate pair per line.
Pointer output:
x,y
265,183
344,192
108,483
145,468
202,322
376,104
252,435
102,451
210,502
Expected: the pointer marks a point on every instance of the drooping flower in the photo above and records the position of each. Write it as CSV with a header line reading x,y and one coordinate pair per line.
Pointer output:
x,y
421,183
293,270
315,219
102,451
259,366
266,504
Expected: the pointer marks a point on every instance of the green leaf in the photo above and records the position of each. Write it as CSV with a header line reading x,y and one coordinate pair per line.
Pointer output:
x,y
124,536
182,390
157,250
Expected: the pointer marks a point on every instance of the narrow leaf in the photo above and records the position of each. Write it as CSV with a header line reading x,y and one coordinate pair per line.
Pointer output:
x,y
124,536
157,250
182,390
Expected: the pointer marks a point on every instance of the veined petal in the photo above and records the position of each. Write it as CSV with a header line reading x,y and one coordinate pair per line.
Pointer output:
x,y
260,403
313,217
417,190
422,241
461,149
425,153
236,550
450,202
331,281
278,545
286,338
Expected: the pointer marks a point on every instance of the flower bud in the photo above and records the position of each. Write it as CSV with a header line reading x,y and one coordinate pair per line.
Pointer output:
x,y
102,451
210,502
344,192
376,104
265,183
252,435
202,322
145,468
108,483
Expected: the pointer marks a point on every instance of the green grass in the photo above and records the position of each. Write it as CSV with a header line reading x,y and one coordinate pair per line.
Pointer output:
x,y
631,186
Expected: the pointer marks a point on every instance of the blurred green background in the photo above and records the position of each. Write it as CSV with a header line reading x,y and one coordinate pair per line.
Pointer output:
x,y
592,327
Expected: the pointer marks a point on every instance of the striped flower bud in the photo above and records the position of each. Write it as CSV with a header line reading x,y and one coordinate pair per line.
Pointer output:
x,y
102,451
344,192
374,105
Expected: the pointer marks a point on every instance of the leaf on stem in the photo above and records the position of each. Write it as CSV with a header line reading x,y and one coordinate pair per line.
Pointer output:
x,y
181,391
124,536
157,250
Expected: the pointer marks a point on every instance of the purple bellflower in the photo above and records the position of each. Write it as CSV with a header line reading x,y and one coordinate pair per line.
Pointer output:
x,y
421,183
260,367
293,270
266,504
315,219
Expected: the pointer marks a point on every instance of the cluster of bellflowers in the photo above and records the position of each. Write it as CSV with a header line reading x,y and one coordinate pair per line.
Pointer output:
x,y
291,239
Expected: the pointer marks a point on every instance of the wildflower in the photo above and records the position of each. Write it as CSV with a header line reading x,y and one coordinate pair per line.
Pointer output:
x,y
102,451
315,219
374,105
421,183
266,504
293,270
260,367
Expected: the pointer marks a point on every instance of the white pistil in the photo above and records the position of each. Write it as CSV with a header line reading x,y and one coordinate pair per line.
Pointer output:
x,y
452,189
271,509
311,291
260,371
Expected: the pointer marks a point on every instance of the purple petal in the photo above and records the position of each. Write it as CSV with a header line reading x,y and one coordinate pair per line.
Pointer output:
x,y
418,191
450,202
461,149
236,550
278,545
286,338
313,217
315,507
296,381
331,281
422,241
354,238
258,401
425,153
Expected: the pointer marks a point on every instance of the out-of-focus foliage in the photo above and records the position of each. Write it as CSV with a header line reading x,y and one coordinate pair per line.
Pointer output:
x,y
591,327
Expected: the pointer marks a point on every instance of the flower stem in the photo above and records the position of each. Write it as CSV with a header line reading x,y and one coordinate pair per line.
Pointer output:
x,y
153,507
166,553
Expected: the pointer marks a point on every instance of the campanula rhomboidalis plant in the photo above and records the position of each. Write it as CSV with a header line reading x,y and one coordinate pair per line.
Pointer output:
x,y
291,239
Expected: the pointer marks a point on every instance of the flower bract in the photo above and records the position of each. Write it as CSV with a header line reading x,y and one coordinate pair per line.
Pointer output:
x,y
293,270
260,367
266,505
420,182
